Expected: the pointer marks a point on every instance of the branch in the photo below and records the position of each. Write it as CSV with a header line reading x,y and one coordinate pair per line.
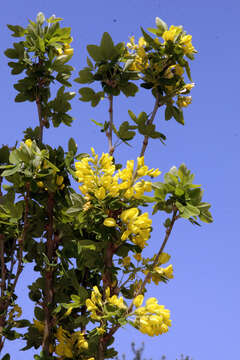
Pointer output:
x,y
1,179
149,122
49,276
148,276
3,268
39,107
110,128
112,331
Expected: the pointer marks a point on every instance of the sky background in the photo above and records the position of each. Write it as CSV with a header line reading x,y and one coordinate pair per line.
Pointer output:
x,y
204,296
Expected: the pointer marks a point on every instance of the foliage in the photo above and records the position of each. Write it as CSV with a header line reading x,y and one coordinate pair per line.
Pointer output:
x,y
87,246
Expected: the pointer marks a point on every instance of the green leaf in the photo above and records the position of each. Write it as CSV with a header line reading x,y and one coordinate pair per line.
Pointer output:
x,y
90,64
97,123
39,313
72,146
132,116
107,47
10,171
95,52
17,67
149,40
11,54
178,115
87,94
85,77
161,25
41,44
168,112
188,71
40,18
18,31
129,89
86,244
125,132
6,357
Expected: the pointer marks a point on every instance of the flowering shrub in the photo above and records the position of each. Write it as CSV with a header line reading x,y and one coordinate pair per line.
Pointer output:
x,y
87,246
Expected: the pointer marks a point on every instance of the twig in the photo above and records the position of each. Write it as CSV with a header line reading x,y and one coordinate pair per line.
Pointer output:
x,y
155,262
13,262
49,276
149,122
3,268
110,128
1,185
112,331
39,108
21,240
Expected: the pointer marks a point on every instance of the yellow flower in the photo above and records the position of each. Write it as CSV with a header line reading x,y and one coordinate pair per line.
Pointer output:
x,y
59,180
129,214
100,330
126,261
68,312
39,325
114,300
28,142
68,51
186,43
189,86
138,257
100,193
184,101
168,272
172,33
109,222
40,184
138,300
163,258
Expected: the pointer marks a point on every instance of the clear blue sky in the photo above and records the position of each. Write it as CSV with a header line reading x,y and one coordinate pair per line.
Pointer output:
x,y
204,296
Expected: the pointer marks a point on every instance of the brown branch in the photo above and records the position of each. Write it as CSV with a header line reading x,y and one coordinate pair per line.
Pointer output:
x,y
21,240
105,338
3,267
110,128
1,179
13,262
41,122
155,262
4,303
48,276
149,122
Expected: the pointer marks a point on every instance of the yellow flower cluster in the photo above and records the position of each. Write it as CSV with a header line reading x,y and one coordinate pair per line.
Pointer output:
x,y
138,226
67,341
172,33
167,272
158,271
184,101
141,59
98,178
151,319
65,49
186,43
28,142
173,69
95,304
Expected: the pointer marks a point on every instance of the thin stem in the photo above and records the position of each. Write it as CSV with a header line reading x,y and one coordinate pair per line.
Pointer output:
x,y
39,108
110,128
149,122
112,331
48,276
1,185
3,268
4,303
155,262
